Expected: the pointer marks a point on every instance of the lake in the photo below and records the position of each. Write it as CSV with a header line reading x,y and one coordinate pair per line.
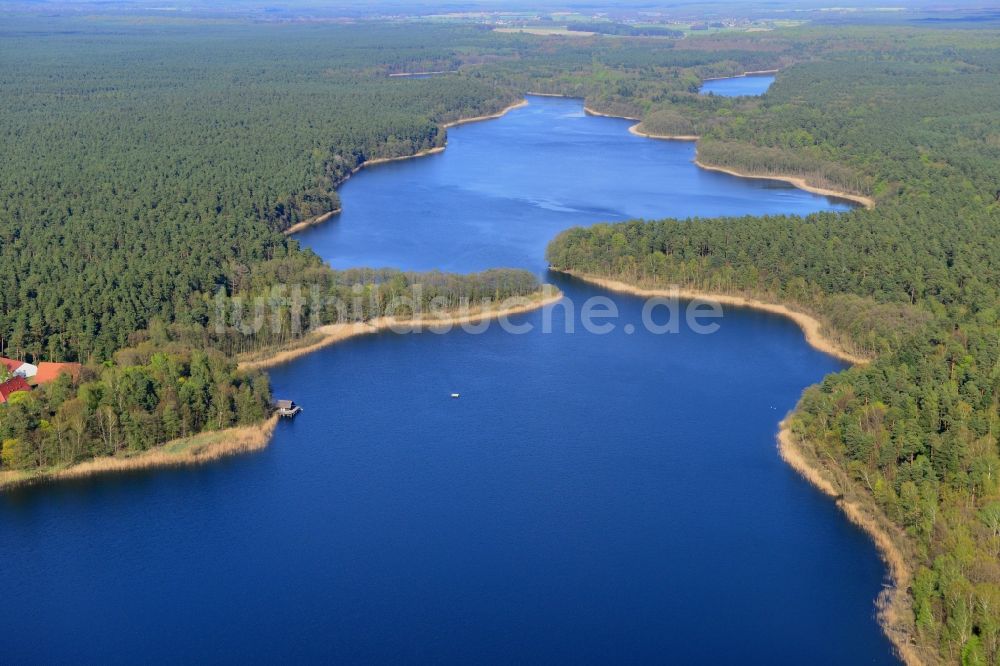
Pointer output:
x,y
738,86
590,498
504,189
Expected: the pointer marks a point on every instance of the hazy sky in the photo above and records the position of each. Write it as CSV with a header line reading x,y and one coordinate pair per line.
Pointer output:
x,y
362,7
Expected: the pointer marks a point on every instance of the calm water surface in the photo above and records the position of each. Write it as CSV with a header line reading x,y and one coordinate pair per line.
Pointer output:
x,y
504,189
738,86
589,499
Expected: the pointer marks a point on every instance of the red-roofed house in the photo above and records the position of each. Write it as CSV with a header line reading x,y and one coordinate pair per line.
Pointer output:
x,y
48,371
12,386
18,368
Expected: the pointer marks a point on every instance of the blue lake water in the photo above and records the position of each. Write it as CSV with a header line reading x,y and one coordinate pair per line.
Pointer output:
x,y
589,499
738,86
504,189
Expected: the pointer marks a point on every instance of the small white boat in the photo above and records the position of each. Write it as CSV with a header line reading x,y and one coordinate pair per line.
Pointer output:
x,y
456,395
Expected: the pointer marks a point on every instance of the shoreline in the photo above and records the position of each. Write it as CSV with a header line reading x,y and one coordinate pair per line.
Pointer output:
x,y
797,181
756,72
492,116
319,219
592,112
634,129
893,603
311,222
811,327
197,449
405,75
331,334
253,438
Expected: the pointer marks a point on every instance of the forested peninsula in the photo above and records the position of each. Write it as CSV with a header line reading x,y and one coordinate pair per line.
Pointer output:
x,y
145,188
146,185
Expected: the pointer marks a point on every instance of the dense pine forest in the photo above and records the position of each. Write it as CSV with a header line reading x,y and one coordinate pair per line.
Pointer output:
x,y
144,169
150,169
913,284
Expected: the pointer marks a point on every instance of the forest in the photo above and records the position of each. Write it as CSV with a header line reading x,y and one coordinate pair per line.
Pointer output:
x,y
913,284
148,396
150,168
130,187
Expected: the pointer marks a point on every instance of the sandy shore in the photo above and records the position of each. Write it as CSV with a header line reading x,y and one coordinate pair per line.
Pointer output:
x,y
331,334
809,324
201,448
590,111
634,129
798,182
385,160
312,221
492,116
894,607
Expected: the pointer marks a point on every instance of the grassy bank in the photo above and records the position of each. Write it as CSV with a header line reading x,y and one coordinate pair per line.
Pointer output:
x,y
331,334
198,449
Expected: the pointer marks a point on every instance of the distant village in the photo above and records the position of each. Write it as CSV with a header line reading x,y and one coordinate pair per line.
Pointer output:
x,y
18,376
